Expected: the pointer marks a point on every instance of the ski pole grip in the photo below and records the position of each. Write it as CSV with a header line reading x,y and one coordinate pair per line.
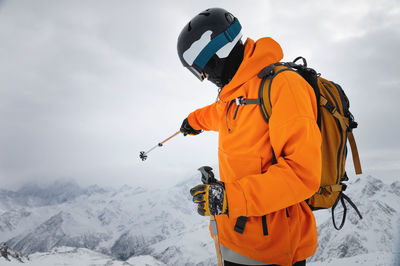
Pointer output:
x,y
207,175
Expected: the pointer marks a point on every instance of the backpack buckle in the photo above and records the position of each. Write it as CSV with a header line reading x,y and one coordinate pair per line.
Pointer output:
x,y
240,101
331,108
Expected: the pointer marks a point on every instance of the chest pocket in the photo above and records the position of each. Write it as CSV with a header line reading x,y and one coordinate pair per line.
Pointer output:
x,y
237,102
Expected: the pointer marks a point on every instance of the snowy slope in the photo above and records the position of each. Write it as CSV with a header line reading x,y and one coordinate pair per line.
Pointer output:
x,y
379,204
163,225
144,260
370,259
79,257
121,223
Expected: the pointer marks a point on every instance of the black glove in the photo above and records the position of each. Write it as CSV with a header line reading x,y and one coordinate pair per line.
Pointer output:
x,y
211,199
186,129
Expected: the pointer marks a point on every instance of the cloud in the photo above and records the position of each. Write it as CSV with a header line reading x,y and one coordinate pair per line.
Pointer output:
x,y
87,85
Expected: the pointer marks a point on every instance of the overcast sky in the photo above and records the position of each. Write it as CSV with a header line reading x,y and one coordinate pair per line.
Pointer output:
x,y
86,85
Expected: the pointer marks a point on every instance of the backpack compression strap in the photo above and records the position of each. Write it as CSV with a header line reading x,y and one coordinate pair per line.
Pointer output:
x,y
354,153
342,198
344,123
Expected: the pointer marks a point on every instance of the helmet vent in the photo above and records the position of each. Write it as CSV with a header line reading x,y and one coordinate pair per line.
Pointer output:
x,y
229,17
205,14
189,26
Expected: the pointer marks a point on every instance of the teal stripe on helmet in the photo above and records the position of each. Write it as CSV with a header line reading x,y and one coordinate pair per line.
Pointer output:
x,y
217,43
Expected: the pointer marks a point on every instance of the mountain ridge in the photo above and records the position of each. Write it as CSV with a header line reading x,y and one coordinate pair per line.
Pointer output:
x,y
133,221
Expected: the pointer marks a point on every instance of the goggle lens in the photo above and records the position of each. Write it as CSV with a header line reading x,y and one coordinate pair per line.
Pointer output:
x,y
200,75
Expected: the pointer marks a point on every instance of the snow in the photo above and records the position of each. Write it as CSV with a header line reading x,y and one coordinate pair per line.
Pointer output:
x,y
379,204
79,257
370,259
161,227
122,223
145,260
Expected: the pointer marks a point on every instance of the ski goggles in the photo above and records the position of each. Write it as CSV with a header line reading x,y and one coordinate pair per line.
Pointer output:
x,y
199,74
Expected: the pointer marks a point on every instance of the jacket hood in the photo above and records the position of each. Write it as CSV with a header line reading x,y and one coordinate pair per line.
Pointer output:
x,y
257,55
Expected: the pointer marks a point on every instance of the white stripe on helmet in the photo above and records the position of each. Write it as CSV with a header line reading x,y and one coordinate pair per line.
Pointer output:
x,y
194,50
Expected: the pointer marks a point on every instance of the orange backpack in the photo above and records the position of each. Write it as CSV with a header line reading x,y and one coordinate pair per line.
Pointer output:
x,y
336,124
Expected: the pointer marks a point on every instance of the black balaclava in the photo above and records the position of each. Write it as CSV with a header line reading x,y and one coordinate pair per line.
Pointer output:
x,y
221,70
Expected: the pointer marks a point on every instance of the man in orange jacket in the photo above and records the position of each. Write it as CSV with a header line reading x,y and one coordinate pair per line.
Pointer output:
x,y
259,202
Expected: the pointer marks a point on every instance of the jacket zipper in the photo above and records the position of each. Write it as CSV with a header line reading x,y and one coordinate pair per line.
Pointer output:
x,y
234,116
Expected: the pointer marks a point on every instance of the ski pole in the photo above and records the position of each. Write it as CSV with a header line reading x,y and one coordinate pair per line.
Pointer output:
x,y
143,155
207,177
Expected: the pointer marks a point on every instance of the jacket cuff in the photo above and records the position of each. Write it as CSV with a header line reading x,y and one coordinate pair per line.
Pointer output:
x,y
236,200
193,121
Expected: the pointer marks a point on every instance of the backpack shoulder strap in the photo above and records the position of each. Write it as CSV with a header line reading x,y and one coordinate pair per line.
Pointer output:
x,y
267,75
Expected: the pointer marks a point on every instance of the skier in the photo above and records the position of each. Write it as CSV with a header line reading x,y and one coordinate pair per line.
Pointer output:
x,y
266,170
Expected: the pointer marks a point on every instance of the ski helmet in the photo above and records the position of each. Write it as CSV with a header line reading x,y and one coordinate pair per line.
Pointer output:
x,y
206,41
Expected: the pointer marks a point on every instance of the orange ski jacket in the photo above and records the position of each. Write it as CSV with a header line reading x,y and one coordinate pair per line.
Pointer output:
x,y
254,186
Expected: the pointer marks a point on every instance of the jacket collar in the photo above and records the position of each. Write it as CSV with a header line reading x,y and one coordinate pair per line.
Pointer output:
x,y
257,55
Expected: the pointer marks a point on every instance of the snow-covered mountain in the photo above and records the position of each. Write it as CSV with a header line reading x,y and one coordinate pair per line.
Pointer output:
x,y
380,207
163,224
377,233
69,256
121,223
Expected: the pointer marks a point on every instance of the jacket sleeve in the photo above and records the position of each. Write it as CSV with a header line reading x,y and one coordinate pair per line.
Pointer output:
x,y
206,118
296,141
